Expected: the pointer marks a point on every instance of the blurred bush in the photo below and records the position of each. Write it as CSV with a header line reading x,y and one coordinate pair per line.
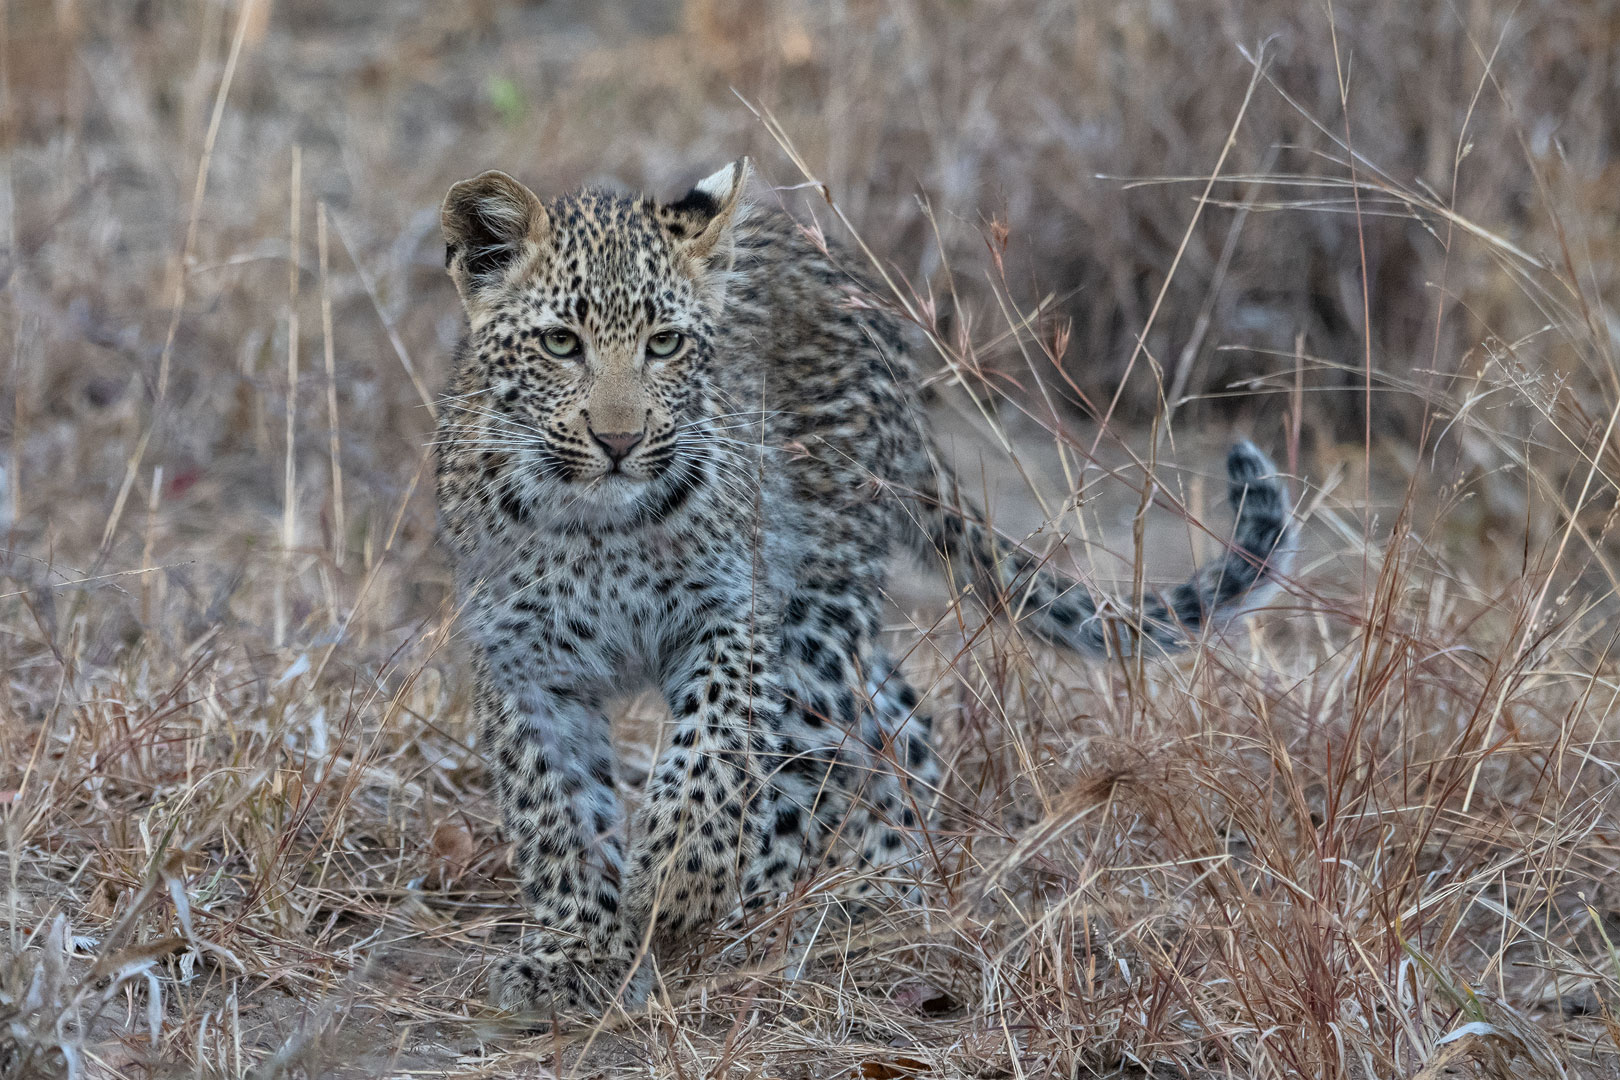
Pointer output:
x,y
1016,121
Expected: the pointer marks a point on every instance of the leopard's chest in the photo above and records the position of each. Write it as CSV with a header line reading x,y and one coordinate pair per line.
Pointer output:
x,y
605,610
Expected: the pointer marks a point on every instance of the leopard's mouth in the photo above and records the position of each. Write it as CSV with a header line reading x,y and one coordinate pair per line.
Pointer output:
x,y
616,473
637,470
576,472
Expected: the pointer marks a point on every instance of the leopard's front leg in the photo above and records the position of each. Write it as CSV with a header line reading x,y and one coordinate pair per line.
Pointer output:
x,y
553,764
701,818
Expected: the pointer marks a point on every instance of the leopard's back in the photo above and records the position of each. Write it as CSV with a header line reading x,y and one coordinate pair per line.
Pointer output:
x,y
815,369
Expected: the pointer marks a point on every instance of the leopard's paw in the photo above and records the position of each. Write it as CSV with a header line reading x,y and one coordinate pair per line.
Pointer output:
x,y
552,985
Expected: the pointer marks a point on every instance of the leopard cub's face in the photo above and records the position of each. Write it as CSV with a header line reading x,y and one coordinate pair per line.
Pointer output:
x,y
591,321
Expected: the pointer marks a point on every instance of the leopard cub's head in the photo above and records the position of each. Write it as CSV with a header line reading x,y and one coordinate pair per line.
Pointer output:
x,y
591,321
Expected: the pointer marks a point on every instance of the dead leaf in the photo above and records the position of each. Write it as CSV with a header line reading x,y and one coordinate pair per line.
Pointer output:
x,y
455,848
897,1069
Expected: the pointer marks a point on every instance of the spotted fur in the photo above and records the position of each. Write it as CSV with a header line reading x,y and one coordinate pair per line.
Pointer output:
x,y
715,521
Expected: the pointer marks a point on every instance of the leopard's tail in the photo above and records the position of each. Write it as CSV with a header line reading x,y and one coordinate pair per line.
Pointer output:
x,y
1062,611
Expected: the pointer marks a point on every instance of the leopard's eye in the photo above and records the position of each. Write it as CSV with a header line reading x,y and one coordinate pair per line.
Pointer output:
x,y
560,343
664,344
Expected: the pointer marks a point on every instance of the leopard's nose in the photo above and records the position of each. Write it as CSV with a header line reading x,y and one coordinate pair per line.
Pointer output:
x,y
618,444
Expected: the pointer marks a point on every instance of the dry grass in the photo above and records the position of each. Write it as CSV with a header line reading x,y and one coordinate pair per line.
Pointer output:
x,y
247,829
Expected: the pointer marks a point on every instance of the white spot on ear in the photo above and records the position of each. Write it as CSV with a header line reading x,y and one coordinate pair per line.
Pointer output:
x,y
714,244
722,185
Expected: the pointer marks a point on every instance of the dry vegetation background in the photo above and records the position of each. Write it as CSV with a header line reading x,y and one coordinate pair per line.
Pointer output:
x,y
246,827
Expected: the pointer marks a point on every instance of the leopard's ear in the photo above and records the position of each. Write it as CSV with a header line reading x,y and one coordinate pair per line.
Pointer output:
x,y
703,223
488,223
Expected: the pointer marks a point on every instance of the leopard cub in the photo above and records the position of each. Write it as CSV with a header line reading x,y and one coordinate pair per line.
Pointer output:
x,y
679,451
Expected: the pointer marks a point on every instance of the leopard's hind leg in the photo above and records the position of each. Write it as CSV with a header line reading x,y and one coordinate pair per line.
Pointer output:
x,y
855,781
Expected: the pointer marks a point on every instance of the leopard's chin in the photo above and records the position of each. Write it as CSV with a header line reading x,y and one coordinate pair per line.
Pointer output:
x,y
610,491
622,481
